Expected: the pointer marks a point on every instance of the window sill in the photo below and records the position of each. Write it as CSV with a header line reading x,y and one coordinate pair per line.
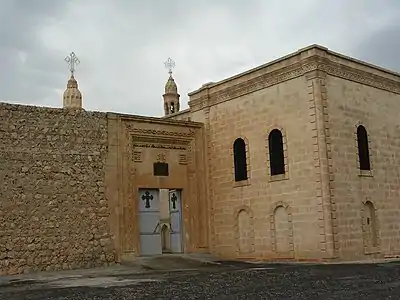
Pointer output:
x,y
365,173
279,177
241,183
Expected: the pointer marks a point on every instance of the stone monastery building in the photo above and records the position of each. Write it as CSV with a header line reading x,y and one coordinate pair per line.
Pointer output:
x,y
296,159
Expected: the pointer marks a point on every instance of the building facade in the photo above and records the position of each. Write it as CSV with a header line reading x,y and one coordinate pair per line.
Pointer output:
x,y
296,159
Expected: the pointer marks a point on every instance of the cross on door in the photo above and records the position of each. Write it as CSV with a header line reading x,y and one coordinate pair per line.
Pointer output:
x,y
147,197
174,199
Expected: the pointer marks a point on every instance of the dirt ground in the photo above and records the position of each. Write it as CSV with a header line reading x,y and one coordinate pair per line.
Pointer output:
x,y
227,280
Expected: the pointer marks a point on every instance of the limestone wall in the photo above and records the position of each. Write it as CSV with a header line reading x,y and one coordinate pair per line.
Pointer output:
x,y
351,104
265,216
183,115
53,210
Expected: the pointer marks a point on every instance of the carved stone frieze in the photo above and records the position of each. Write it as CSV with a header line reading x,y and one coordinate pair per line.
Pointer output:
x,y
160,143
158,140
363,77
162,157
190,154
259,83
137,156
182,158
161,139
155,132
296,70
159,146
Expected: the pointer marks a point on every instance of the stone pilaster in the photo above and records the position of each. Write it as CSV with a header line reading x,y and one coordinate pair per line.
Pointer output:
x,y
322,157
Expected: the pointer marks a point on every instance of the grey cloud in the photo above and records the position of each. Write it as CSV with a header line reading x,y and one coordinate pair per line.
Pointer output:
x,y
29,80
380,44
122,44
382,48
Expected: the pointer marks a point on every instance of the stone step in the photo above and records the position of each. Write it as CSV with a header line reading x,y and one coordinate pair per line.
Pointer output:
x,y
171,261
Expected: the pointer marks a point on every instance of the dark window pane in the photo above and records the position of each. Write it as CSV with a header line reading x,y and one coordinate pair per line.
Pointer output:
x,y
276,154
239,156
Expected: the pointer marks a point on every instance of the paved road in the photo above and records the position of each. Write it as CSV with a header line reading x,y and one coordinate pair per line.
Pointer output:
x,y
377,282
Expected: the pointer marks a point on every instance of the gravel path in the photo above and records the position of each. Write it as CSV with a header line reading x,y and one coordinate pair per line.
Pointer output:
x,y
305,282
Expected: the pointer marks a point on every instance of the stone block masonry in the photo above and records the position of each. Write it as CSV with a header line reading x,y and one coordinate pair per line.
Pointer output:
x,y
53,211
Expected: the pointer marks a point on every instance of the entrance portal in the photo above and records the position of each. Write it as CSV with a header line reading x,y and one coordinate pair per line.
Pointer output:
x,y
165,238
160,221
149,217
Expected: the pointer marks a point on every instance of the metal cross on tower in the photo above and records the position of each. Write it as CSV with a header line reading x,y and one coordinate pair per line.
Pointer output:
x,y
169,64
147,197
72,61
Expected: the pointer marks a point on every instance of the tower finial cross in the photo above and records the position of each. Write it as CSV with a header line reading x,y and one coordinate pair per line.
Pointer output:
x,y
72,61
169,64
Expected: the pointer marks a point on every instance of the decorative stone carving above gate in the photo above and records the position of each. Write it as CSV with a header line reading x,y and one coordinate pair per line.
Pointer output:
x,y
182,158
162,157
137,156
157,142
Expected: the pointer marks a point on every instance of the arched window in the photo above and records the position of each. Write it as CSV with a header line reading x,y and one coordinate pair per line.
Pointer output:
x,y
276,156
239,157
363,150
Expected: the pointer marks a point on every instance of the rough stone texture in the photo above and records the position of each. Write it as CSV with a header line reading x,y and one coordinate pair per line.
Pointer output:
x,y
252,117
352,104
320,208
53,210
63,171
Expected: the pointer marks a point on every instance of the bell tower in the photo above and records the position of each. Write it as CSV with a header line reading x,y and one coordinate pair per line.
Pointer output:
x,y
171,96
72,97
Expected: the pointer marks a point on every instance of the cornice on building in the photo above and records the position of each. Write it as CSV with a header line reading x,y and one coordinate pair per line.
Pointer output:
x,y
306,60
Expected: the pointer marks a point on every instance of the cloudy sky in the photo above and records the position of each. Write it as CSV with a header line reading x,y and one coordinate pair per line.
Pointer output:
x,y
123,44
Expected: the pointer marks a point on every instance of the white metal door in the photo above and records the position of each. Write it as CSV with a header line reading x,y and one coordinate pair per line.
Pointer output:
x,y
149,217
175,210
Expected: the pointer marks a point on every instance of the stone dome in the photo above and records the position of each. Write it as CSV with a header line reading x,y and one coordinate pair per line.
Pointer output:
x,y
72,97
170,86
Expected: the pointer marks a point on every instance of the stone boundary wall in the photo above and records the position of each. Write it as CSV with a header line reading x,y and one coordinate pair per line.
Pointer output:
x,y
53,210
